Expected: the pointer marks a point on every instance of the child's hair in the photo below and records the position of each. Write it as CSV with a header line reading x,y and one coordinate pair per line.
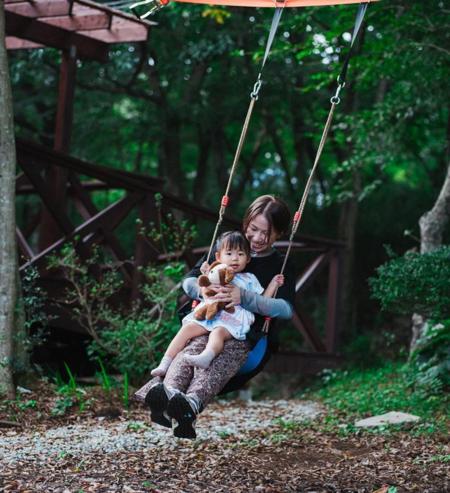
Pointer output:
x,y
233,240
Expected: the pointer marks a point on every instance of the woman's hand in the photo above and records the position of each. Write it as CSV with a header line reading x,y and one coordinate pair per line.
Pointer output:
x,y
208,289
230,294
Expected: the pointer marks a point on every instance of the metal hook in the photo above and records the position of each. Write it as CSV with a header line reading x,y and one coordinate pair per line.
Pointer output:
x,y
336,99
256,88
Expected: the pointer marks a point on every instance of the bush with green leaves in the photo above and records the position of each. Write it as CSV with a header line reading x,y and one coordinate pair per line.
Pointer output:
x,y
134,341
420,283
415,283
128,338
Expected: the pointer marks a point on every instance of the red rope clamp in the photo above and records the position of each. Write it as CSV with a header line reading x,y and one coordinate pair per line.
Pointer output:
x,y
267,319
297,216
225,201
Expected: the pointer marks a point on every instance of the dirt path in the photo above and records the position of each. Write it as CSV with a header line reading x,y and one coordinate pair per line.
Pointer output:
x,y
268,446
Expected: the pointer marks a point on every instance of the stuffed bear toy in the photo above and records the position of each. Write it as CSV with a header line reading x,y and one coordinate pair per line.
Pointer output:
x,y
218,274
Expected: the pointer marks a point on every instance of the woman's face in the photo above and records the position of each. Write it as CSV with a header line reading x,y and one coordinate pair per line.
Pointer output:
x,y
257,234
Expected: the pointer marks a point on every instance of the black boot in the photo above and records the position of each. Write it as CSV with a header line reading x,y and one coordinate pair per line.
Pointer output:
x,y
157,400
184,411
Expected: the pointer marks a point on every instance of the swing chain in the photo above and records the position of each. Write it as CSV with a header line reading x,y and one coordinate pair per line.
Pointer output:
x,y
336,99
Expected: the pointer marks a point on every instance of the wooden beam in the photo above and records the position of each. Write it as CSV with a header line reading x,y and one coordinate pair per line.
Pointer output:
x,y
56,178
41,8
81,21
310,273
304,327
66,94
114,213
121,31
116,13
41,156
111,241
40,32
24,247
13,43
302,363
59,216
57,13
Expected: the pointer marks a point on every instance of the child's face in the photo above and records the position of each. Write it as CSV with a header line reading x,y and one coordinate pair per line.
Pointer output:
x,y
234,258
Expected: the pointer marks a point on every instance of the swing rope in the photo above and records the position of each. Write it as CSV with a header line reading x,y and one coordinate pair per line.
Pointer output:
x,y
253,98
335,100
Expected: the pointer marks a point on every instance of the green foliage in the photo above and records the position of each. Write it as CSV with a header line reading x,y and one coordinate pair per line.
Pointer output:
x,y
415,283
126,391
104,377
431,359
90,288
34,299
71,393
129,339
354,393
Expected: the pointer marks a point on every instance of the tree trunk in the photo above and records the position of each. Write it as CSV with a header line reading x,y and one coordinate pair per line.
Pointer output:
x,y
433,222
432,225
347,232
8,261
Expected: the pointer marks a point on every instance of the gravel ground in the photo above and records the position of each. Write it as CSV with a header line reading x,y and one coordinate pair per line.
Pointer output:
x,y
95,435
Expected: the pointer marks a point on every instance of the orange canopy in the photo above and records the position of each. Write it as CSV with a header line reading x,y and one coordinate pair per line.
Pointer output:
x,y
274,3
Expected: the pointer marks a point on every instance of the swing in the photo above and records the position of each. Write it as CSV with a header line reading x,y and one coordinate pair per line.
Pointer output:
x,y
261,352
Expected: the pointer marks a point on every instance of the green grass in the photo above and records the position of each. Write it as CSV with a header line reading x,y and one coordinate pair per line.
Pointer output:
x,y
357,393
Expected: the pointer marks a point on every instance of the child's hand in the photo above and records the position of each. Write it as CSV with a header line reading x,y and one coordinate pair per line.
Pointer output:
x,y
204,268
278,279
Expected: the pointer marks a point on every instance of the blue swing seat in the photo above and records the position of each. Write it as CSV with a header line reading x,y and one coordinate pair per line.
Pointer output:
x,y
255,357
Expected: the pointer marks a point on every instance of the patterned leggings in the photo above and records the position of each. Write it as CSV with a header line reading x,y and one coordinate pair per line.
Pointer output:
x,y
199,383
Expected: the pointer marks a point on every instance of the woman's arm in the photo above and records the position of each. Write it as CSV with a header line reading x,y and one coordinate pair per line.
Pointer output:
x,y
268,307
191,288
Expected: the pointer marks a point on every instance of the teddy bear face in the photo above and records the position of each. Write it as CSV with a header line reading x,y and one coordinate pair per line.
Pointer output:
x,y
216,274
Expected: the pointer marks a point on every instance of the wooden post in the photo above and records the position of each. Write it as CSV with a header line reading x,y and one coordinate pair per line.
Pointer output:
x,y
331,326
56,177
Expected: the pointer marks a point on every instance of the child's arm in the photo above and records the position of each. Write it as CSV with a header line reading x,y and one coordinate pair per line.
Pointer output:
x,y
274,284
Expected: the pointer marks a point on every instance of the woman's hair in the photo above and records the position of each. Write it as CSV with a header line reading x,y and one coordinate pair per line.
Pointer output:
x,y
273,209
233,240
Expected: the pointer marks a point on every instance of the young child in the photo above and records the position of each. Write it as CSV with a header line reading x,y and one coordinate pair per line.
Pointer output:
x,y
233,250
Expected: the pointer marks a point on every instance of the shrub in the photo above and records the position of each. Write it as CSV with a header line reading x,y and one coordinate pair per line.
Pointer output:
x,y
131,339
133,342
420,283
417,283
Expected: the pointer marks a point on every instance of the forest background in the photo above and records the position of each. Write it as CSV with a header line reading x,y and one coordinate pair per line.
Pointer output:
x,y
173,108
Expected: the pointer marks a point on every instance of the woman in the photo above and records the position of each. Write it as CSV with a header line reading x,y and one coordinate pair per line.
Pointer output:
x,y
185,392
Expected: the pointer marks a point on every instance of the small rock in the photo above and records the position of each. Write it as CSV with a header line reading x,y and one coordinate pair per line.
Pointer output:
x,y
392,418
23,390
